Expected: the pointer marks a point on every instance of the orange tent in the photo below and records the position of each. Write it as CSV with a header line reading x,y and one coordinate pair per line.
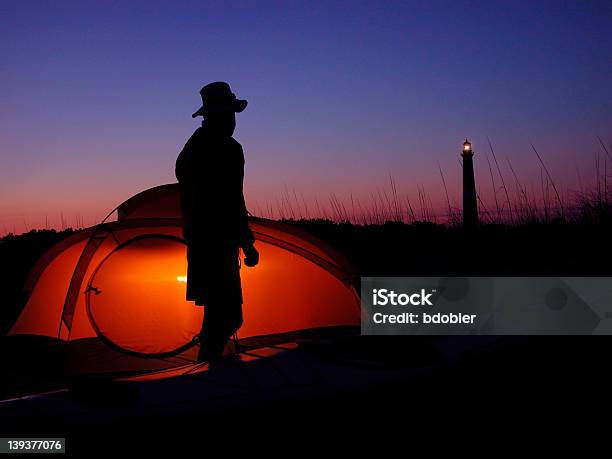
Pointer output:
x,y
123,281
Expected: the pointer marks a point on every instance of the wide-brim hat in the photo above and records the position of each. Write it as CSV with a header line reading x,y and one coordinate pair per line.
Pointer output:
x,y
218,97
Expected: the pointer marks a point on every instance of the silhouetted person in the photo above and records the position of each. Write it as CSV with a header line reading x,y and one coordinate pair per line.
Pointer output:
x,y
210,170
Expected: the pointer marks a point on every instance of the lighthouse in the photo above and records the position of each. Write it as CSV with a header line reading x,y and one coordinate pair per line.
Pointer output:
x,y
470,209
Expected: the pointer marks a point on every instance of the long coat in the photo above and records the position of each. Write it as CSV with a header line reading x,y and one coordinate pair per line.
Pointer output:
x,y
210,171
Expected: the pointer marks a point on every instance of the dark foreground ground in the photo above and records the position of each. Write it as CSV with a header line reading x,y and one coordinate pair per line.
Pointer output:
x,y
522,380
509,390
519,392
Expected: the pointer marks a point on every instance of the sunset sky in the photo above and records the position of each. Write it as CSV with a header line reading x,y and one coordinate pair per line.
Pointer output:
x,y
97,96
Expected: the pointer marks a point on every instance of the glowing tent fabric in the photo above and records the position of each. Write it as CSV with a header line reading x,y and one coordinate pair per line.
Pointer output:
x,y
124,282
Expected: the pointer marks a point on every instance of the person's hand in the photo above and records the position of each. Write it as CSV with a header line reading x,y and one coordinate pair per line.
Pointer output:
x,y
251,256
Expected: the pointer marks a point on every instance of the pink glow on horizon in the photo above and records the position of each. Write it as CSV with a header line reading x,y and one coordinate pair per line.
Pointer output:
x,y
81,201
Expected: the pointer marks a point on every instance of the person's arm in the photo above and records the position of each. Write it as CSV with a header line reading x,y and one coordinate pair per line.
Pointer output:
x,y
245,235
247,241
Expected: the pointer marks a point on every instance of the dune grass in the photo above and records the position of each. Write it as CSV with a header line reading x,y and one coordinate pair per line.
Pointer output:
x,y
503,198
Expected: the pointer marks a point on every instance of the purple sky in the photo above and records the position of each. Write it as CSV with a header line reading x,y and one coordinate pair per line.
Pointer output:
x,y
96,96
